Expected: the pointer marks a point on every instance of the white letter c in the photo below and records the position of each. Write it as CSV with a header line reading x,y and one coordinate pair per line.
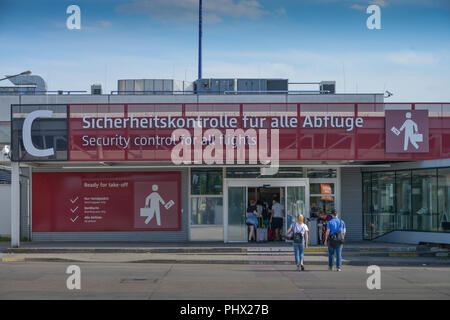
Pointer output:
x,y
26,134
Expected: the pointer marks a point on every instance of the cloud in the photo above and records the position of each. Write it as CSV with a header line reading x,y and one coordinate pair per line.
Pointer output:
x,y
409,58
381,3
187,10
357,7
105,23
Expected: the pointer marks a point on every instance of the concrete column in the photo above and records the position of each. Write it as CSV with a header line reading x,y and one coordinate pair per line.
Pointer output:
x,y
15,204
30,198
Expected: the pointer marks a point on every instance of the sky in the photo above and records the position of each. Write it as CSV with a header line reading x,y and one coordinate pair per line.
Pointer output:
x,y
301,40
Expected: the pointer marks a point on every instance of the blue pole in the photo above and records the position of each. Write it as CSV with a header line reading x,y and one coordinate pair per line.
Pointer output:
x,y
200,40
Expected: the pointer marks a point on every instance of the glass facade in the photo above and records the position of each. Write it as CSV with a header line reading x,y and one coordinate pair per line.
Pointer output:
x,y
45,132
408,200
444,198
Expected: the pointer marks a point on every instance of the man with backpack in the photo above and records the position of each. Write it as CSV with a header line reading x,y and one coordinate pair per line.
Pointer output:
x,y
334,238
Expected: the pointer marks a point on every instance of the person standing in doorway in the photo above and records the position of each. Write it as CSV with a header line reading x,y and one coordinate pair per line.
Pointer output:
x,y
300,237
276,218
334,239
324,218
252,220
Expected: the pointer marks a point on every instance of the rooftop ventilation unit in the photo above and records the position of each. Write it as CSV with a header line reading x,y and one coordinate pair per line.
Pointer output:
x,y
244,86
153,86
25,80
327,87
96,89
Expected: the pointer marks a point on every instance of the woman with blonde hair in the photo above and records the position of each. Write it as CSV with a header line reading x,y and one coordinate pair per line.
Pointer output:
x,y
300,236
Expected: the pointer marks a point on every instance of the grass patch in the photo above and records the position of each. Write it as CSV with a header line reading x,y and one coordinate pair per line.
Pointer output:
x,y
8,239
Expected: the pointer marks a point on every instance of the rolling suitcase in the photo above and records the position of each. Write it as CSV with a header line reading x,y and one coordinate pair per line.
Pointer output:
x,y
270,234
260,231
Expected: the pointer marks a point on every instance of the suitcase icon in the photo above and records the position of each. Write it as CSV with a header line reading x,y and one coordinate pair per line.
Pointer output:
x,y
418,137
395,131
169,204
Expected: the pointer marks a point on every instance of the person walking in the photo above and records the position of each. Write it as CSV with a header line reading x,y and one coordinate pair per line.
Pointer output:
x,y
300,236
334,238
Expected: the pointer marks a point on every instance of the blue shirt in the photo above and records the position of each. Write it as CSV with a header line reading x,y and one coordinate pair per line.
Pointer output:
x,y
334,225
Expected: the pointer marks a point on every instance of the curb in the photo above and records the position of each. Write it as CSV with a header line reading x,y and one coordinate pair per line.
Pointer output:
x,y
195,250
350,252
125,250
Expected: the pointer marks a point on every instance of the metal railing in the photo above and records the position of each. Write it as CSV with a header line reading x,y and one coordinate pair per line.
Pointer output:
x,y
32,92
231,92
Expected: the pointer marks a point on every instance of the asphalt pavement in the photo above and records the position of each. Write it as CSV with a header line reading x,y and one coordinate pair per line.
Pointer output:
x,y
38,280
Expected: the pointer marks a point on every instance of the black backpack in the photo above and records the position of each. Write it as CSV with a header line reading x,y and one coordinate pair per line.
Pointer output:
x,y
337,239
298,237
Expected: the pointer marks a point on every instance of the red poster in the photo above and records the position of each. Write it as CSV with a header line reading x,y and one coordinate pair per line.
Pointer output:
x,y
118,201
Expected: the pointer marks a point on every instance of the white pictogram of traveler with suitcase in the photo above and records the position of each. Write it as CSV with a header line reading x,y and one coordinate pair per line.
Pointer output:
x,y
152,206
411,133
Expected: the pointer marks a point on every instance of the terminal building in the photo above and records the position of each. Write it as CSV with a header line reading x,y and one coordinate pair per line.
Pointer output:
x,y
174,161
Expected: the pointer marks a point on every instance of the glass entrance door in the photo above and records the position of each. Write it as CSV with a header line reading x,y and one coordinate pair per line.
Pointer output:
x,y
293,195
295,205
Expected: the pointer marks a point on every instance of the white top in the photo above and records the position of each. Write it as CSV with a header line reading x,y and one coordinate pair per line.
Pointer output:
x,y
259,208
300,228
277,210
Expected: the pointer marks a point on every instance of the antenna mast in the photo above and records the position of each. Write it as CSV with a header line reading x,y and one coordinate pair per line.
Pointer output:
x,y
200,39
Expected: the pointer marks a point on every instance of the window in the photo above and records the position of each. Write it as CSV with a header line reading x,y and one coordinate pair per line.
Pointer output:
x,y
206,211
5,177
206,197
46,132
367,206
424,200
5,133
321,173
321,198
383,209
444,199
403,200
206,182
